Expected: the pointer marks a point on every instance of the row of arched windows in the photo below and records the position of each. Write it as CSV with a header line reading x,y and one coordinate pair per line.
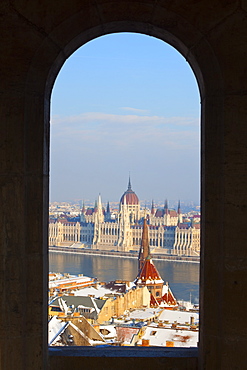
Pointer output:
x,y
109,231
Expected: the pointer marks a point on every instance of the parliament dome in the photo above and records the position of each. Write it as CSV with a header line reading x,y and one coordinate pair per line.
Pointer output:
x,y
130,196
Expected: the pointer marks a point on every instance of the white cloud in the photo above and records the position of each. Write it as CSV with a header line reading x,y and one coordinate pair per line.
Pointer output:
x,y
103,145
127,119
135,110
101,131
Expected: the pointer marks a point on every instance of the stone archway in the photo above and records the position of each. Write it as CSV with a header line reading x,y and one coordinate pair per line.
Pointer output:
x,y
125,26
36,40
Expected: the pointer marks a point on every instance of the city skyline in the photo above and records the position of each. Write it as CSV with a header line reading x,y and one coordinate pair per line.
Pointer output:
x,y
125,103
158,203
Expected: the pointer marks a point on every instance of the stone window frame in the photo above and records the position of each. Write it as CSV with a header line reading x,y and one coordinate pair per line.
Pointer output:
x,y
54,56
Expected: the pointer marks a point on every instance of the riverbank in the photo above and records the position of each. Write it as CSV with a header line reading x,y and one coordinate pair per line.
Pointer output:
x,y
156,256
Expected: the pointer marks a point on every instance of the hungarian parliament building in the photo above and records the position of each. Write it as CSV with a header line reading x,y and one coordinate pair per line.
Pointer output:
x,y
102,229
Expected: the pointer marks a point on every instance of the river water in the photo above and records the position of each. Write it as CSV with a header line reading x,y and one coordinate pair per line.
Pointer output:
x,y
183,277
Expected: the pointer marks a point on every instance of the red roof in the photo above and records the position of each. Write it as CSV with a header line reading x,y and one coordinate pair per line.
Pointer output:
x,y
172,213
148,273
168,298
130,198
159,213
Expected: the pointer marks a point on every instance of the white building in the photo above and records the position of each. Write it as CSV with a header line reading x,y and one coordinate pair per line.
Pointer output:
x,y
98,229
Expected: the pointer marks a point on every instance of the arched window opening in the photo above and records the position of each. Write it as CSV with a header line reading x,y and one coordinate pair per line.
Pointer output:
x,y
100,116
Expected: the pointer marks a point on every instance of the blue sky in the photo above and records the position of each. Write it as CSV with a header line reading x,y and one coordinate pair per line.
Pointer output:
x,y
125,103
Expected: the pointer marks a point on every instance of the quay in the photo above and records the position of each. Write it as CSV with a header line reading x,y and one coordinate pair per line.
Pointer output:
x,y
133,254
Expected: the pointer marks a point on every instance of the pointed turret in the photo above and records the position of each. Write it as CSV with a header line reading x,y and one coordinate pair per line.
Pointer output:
x,y
180,216
129,184
100,214
144,249
108,212
83,212
149,276
95,206
152,208
99,203
166,207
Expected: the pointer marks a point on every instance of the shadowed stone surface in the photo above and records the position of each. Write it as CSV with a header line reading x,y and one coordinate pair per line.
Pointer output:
x,y
36,38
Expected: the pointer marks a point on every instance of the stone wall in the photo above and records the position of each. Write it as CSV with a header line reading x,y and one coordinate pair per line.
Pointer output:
x,y
36,39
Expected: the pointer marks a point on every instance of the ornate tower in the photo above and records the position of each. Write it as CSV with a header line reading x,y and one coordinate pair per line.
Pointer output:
x,y
98,219
83,211
180,217
99,213
124,227
148,275
144,249
166,214
132,202
108,213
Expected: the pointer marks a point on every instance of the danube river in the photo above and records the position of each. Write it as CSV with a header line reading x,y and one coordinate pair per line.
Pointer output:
x,y
183,277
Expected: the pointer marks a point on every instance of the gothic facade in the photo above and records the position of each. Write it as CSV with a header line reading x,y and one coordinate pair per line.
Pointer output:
x,y
122,231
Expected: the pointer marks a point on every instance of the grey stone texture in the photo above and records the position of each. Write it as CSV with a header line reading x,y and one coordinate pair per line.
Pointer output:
x,y
36,39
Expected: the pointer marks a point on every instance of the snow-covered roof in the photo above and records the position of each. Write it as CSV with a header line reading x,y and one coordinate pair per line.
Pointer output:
x,y
55,328
100,291
144,314
70,280
180,316
165,337
108,331
149,273
72,302
97,292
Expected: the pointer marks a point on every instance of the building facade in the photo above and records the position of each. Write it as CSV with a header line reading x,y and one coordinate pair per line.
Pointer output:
x,y
99,228
62,231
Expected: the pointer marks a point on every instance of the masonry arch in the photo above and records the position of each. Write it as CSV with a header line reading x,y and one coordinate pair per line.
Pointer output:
x,y
49,50
122,26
